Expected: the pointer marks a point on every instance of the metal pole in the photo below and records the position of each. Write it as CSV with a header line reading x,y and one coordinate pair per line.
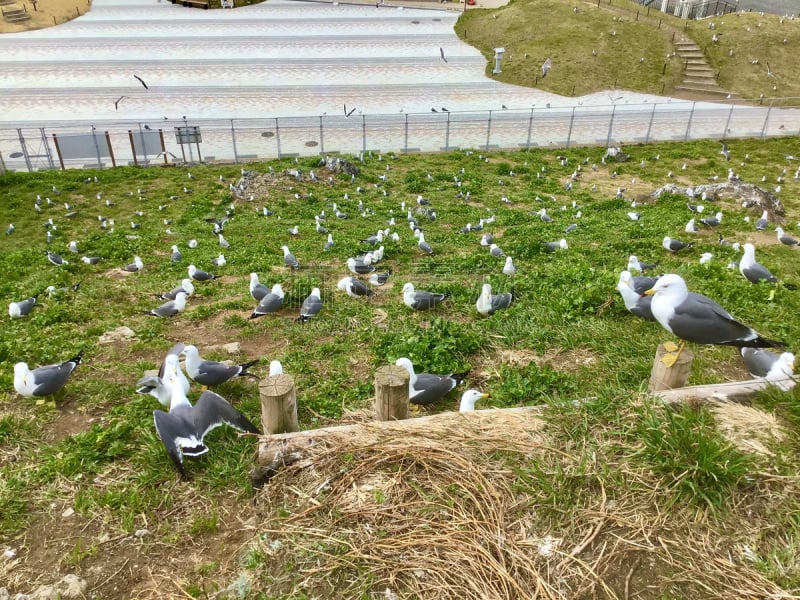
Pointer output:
x,y
610,125
530,129
24,151
47,150
571,121
650,125
278,136
447,129
727,123
321,138
96,148
405,146
363,133
188,135
488,130
766,120
233,139
689,124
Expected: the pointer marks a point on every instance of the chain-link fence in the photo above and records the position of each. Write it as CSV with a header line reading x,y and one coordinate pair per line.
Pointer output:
x,y
100,145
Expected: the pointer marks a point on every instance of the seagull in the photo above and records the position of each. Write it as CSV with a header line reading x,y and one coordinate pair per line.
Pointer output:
x,y
421,300
712,221
135,266
184,427
55,258
697,318
22,308
769,72
176,255
311,305
361,267
559,245
354,287
156,385
753,271
270,303
186,287
725,152
10,229
632,294
171,307
346,113
785,239
44,381
496,251
200,275
697,208
763,221
329,243
223,242
289,259
141,81
257,289
425,388
635,265
441,53
674,245
769,365
690,226
379,278
546,67
117,101
209,372
469,398
423,245
489,303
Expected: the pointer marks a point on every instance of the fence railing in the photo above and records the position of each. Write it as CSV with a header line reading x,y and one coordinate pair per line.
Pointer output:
x,y
99,145
686,9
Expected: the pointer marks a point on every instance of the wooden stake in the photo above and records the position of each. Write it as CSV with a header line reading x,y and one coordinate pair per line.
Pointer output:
x,y
391,393
278,404
667,378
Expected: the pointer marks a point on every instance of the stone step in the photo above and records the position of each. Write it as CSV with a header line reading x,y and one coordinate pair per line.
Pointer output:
x,y
700,81
686,46
701,89
692,55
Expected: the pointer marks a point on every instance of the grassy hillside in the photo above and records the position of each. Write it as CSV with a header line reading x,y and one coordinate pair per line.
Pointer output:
x,y
93,454
621,34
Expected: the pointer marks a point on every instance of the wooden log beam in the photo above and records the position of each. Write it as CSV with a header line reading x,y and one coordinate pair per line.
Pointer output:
x,y
734,391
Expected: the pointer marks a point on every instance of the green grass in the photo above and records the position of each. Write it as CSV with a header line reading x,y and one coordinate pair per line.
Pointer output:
x,y
621,34
567,337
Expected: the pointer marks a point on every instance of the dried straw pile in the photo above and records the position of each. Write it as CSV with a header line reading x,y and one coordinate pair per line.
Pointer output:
x,y
475,510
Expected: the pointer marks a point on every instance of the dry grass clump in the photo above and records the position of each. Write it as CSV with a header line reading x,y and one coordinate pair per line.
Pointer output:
x,y
475,511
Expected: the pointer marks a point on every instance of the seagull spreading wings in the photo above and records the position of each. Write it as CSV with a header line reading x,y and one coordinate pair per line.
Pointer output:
x,y
118,100
141,81
546,67
347,114
769,72
725,152
441,52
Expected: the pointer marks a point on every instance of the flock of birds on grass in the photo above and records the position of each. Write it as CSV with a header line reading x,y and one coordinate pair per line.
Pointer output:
x,y
666,299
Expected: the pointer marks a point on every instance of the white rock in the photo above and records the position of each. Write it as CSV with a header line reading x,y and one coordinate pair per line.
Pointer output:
x,y
120,334
68,513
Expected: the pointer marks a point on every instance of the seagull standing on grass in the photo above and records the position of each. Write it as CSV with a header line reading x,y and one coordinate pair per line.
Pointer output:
x,y
210,372
425,388
44,381
489,303
752,270
270,303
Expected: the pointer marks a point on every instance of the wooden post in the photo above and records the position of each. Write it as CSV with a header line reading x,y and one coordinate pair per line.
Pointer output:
x,y
278,404
391,393
667,378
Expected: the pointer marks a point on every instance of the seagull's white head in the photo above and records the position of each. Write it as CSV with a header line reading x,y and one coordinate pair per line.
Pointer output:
x,y
408,288
406,364
469,398
277,290
669,286
344,282
275,368
316,293
192,270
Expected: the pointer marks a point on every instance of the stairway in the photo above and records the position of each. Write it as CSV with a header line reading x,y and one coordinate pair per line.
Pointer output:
x,y
698,77
15,15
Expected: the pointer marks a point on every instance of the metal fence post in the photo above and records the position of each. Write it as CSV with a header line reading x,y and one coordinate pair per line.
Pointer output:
x,y
447,134
530,130
96,147
571,122
650,124
47,151
405,142
488,130
363,133
766,120
233,139
611,125
24,150
321,138
278,137
689,124
727,122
